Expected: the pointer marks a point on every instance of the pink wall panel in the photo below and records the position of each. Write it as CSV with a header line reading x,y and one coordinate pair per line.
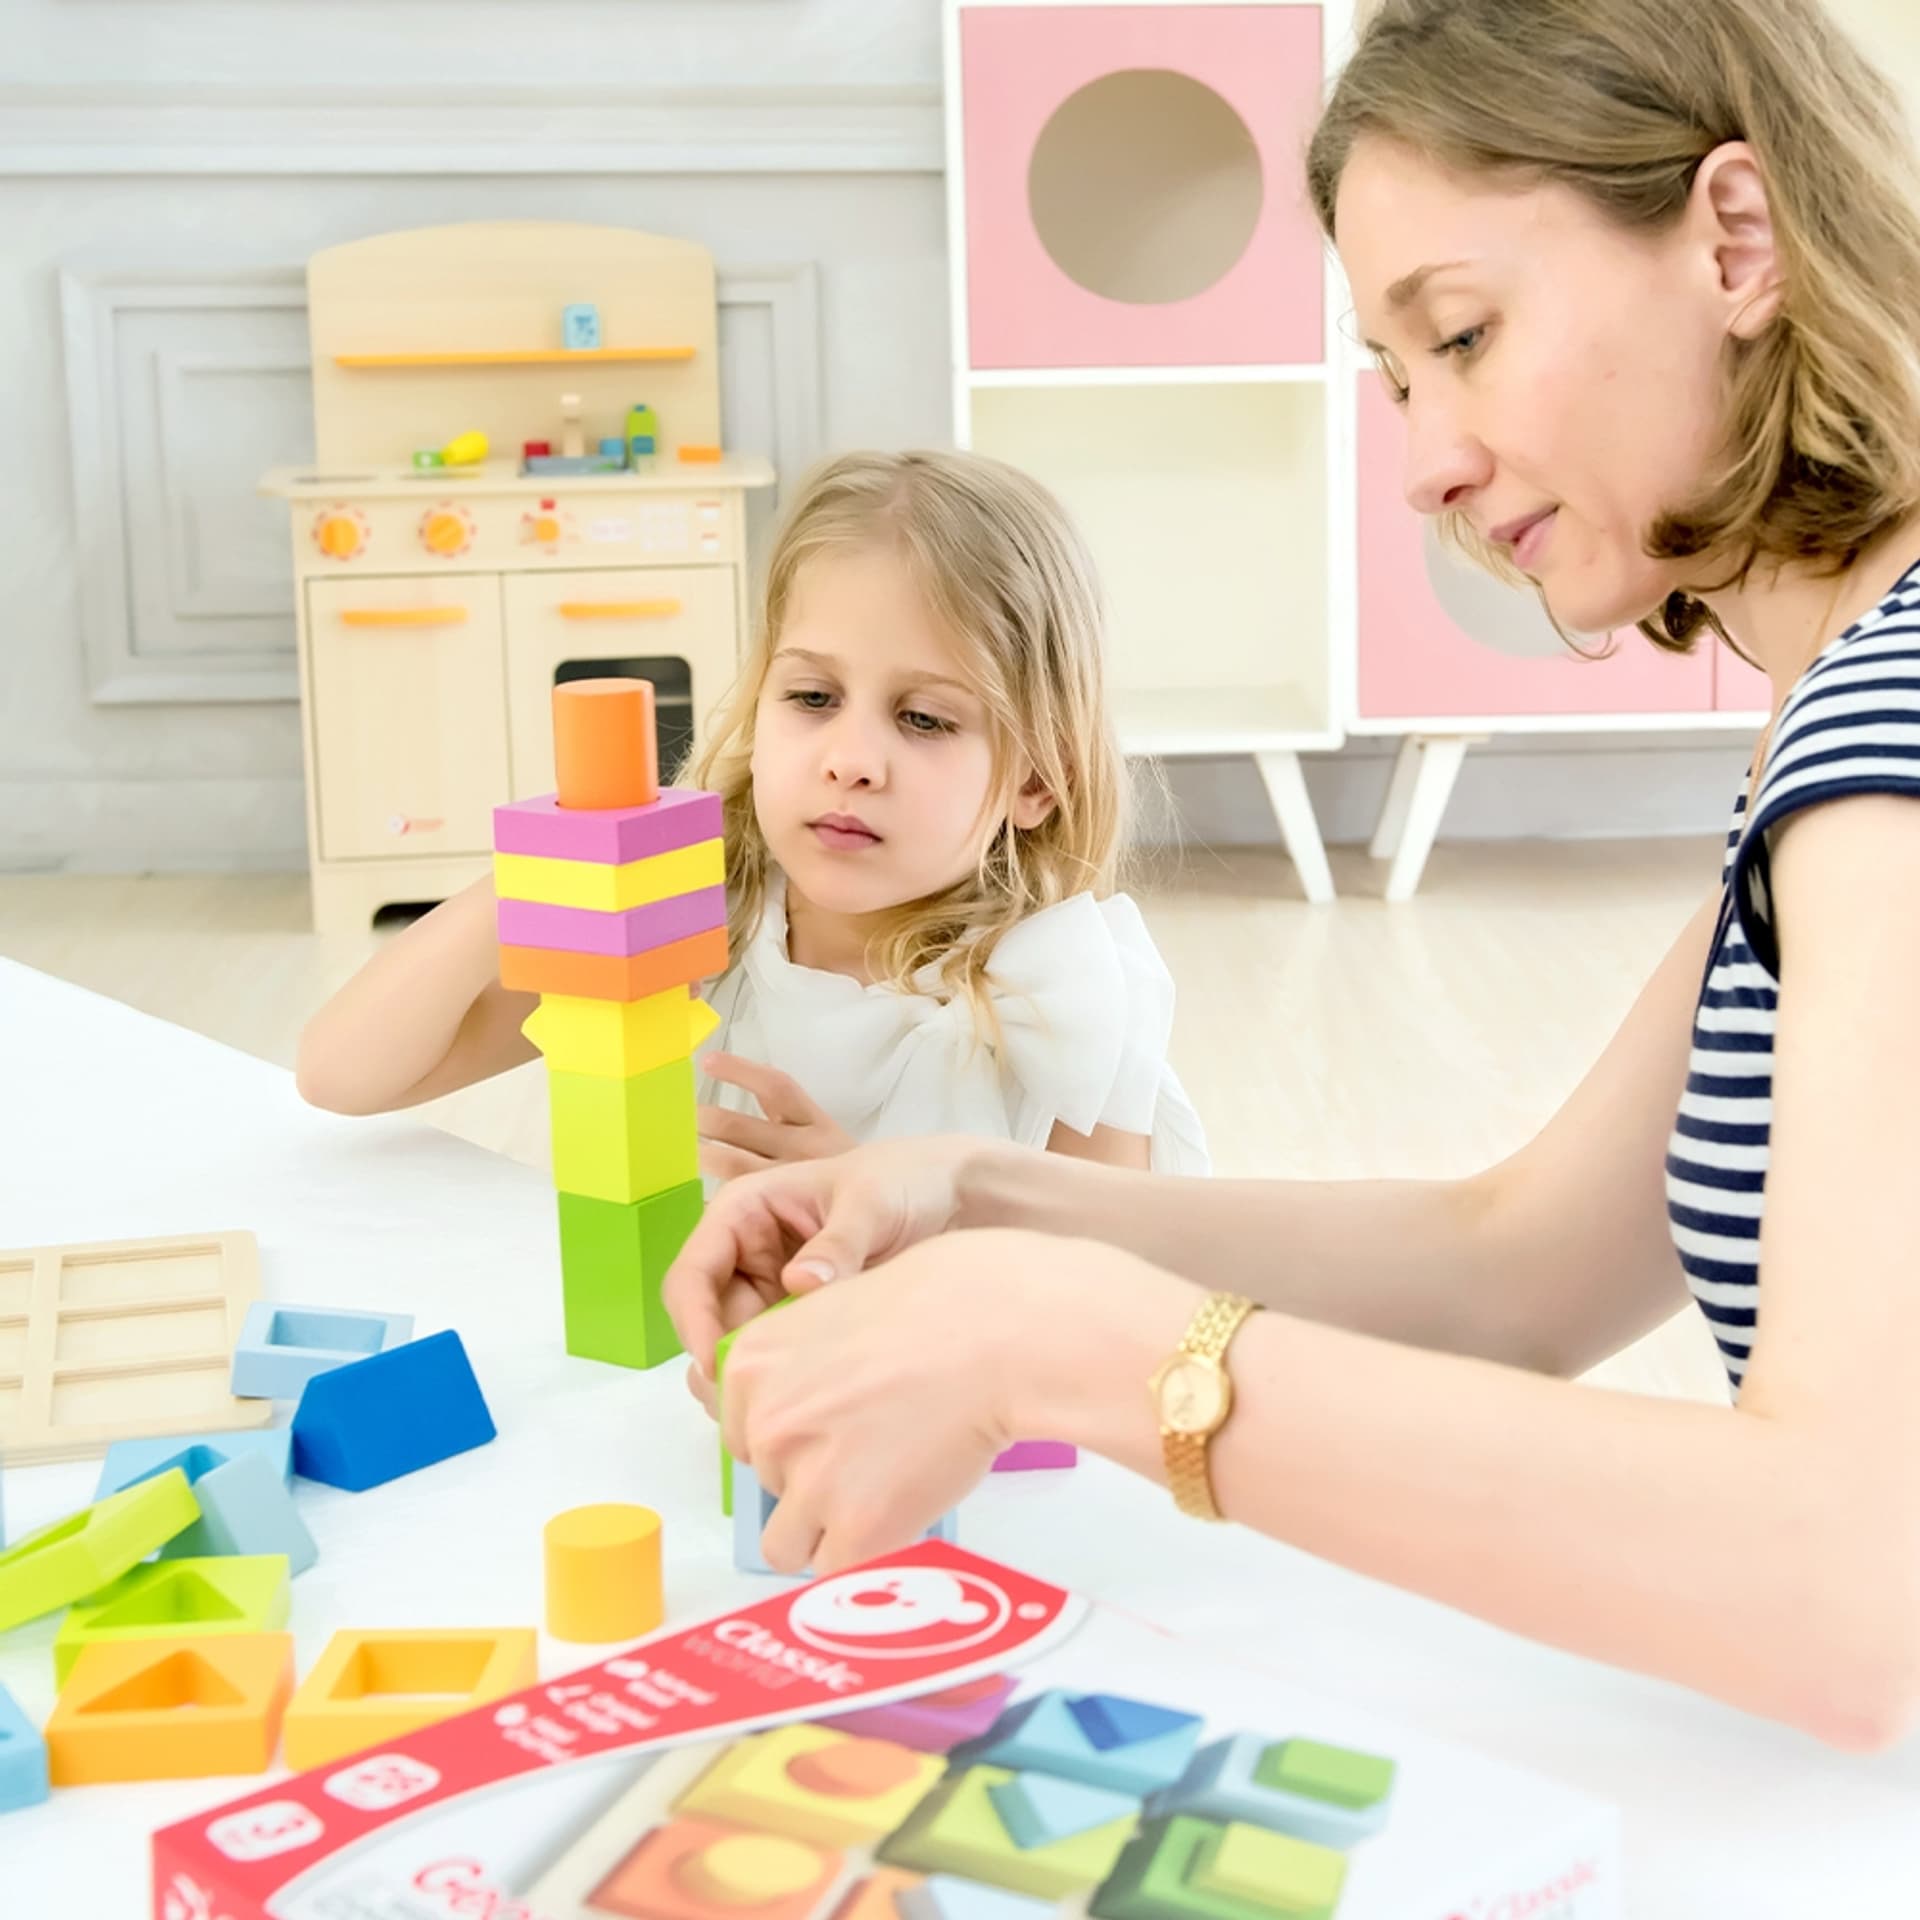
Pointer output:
x,y
1415,661
1019,64
1737,687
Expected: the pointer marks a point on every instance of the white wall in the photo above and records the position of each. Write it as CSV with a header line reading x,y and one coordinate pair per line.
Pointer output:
x,y
182,139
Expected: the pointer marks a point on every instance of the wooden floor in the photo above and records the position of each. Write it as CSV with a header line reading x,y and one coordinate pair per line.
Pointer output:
x,y
1340,1042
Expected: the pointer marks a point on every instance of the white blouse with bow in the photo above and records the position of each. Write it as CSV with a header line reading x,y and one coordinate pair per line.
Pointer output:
x,y
1085,1006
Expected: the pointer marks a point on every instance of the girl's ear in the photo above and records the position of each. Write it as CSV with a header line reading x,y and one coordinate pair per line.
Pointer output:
x,y
1032,805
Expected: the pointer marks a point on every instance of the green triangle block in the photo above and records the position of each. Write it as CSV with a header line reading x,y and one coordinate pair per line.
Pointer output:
x,y
55,1566
241,1593
1338,1775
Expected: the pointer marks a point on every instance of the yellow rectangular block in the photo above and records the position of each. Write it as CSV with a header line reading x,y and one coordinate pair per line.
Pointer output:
x,y
815,1784
624,1139
375,1686
617,1039
586,883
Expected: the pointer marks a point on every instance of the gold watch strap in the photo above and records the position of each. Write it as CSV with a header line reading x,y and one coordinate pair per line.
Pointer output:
x,y
1214,1324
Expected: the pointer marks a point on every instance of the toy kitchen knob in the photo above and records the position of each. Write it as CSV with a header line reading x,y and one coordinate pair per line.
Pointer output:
x,y
446,531
340,535
543,529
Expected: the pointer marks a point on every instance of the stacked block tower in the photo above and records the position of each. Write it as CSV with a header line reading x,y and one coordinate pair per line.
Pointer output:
x,y
612,906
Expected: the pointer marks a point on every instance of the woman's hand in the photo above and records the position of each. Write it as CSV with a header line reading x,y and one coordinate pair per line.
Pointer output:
x,y
796,1126
871,1408
795,1227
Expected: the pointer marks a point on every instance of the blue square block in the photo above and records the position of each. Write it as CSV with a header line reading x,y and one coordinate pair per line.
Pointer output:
x,y
361,1425
580,327
1221,1785
281,1348
194,1454
23,1758
1046,1735
241,1482
753,1507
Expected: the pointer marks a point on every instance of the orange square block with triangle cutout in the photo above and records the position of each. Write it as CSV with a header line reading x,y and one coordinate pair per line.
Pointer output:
x,y
170,1709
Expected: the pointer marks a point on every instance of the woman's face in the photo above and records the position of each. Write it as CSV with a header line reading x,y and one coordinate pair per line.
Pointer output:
x,y
1561,377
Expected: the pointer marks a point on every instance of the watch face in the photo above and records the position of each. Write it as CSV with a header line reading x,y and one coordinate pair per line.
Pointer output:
x,y
1193,1396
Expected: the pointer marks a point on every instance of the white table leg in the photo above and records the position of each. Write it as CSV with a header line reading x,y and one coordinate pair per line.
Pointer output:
x,y
1439,767
1293,809
1392,826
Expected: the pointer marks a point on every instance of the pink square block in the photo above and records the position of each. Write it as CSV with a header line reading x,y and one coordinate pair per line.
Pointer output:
x,y
933,1722
1019,65
533,923
1031,1456
681,817
1416,662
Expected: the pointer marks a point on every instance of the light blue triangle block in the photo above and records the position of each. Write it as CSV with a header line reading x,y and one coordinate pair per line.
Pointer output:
x,y
1112,1721
1040,1808
944,1897
1045,1736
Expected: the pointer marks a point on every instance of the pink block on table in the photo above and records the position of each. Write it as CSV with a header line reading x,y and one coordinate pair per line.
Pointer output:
x,y
1029,1456
1415,662
933,1722
533,923
1019,64
681,817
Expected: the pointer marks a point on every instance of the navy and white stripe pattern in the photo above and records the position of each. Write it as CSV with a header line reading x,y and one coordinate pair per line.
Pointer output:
x,y
1851,725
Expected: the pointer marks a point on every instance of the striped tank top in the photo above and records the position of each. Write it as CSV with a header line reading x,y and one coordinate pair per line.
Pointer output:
x,y
1851,725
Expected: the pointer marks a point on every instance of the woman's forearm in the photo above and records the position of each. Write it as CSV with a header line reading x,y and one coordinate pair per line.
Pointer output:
x,y
1423,1262
425,1016
1694,1543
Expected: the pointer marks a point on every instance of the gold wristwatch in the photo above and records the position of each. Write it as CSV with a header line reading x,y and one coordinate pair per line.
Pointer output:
x,y
1194,1395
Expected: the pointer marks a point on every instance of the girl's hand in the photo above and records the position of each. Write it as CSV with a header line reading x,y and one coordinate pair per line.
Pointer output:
x,y
796,1126
792,1228
871,1408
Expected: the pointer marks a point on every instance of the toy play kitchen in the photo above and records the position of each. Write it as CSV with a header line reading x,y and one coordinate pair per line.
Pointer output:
x,y
518,479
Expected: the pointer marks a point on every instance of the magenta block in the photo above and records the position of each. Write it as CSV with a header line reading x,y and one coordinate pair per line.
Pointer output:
x,y
530,923
933,1722
1027,1456
611,837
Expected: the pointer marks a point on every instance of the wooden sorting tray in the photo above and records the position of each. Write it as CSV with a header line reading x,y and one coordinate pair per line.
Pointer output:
x,y
124,1339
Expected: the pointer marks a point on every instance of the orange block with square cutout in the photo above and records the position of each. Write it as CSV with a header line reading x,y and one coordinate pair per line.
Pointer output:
x,y
877,1896
376,1686
818,1785
170,1709
707,1870
615,976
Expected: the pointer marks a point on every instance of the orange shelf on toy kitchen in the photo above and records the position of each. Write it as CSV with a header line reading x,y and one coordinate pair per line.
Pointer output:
x,y
513,357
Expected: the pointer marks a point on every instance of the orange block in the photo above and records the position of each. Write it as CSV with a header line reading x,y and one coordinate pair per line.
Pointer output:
x,y
696,455
703,1870
877,1896
174,1708
605,751
615,976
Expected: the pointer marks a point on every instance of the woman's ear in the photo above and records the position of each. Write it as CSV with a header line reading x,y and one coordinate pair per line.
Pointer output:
x,y
1032,805
1730,199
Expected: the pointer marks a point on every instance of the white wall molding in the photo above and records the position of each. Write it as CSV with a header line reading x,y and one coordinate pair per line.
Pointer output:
x,y
161,129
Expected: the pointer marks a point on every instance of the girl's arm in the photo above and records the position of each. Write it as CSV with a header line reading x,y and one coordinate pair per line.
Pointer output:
x,y
425,1016
1107,1146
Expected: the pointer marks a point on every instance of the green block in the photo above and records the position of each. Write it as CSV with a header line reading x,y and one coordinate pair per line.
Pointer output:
x,y
1268,1869
1338,1775
958,1830
722,1348
1164,1872
234,1593
78,1555
624,1140
614,1257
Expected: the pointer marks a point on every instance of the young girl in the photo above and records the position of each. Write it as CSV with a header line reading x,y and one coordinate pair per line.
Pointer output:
x,y
925,807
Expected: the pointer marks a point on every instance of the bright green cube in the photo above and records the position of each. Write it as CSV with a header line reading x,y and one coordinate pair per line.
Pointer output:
x,y
1337,1775
1160,1876
613,1258
1271,1870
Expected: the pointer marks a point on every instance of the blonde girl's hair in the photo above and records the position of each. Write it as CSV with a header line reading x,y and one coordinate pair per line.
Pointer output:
x,y
1006,577
1621,100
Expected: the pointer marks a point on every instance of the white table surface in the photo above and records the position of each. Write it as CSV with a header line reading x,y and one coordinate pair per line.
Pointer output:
x,y
114,1124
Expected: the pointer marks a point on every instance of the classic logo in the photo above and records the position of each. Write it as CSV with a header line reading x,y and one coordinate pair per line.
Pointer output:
x,y
899,1613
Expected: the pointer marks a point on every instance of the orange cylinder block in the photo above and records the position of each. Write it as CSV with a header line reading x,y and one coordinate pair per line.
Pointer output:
x,y
605,751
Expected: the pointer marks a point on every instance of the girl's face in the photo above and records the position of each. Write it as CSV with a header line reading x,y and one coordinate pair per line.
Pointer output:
x,y
872,755
1561,377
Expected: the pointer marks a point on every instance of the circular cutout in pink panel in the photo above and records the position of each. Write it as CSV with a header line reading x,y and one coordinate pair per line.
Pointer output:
x,y
1509,619
1145,186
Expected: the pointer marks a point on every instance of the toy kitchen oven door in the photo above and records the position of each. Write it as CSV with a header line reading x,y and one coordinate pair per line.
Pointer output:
x,y
518,480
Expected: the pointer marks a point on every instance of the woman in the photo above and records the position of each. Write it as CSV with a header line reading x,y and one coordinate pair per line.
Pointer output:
x,y
1645,277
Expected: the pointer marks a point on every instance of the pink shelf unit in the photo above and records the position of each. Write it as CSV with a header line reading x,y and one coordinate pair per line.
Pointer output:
x,y
1416,664
1062,105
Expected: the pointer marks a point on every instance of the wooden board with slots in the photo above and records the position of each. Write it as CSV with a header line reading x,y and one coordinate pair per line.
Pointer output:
x,y
122,1339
